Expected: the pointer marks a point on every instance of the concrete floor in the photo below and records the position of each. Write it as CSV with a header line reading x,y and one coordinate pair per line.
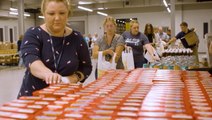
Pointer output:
x,y
10,82
11,79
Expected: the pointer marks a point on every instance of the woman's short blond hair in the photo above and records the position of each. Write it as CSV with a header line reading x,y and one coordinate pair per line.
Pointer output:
x,y
67,3
21,37
109,19
133,22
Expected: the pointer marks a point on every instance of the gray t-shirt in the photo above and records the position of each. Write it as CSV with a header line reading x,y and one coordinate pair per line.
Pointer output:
x,y
117,40
136,42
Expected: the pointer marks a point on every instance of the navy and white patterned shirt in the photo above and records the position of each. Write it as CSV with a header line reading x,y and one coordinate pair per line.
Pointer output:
x,y
36,45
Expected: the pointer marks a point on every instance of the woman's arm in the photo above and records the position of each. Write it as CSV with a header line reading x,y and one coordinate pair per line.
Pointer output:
x,y
150,50
85,65
171,40
39,70
119,47
31,53
118,52
95,51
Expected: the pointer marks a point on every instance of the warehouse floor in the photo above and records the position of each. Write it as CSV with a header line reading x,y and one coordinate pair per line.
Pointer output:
x,y
11,79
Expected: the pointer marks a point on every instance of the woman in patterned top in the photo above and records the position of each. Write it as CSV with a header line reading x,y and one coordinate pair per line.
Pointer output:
x,y
53,50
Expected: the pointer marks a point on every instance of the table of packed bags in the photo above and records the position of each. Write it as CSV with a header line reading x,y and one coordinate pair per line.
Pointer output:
x,y
141,94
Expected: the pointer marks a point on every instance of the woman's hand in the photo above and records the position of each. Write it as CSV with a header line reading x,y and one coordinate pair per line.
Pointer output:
x,y
39,70
52,78
108,51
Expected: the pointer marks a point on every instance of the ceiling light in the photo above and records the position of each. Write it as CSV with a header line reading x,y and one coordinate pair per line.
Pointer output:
x,y
84,8
168,10
165,3
100,8
13,9
42,17
27,14
16,13
101,13
13,13
84,3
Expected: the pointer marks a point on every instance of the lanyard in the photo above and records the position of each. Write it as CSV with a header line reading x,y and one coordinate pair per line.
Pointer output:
x,y
56,61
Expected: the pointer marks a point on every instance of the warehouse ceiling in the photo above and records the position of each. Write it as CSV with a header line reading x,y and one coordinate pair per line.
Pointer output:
x,y
112,6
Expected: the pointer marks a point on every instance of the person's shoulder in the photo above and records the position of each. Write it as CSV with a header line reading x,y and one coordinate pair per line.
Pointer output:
x,y
100,38
141,34
181,33
117,35
34,30
126,33
37,28
76,33
75,36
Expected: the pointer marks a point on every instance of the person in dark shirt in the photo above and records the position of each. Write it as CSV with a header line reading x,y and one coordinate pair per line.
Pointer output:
x,y
19,42
180,35
89,40
154,39
20,64
138,41
149,32
53,50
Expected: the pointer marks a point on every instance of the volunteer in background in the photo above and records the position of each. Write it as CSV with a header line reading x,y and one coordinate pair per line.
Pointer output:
x,y
180,35
20,64
162,35
149,32
110,42
154,39
53,50
138,41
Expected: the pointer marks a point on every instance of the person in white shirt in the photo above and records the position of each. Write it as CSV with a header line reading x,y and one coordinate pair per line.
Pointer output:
x,y
95,37
162,35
